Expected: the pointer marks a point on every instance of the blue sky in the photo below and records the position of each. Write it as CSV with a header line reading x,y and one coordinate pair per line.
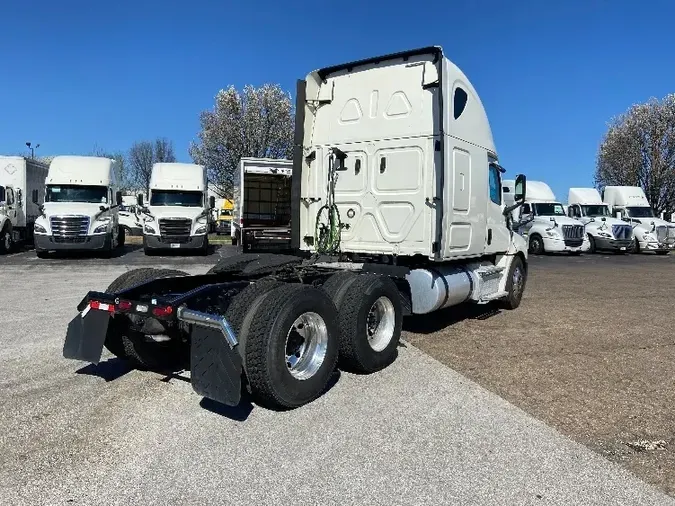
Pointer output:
x,y
550,74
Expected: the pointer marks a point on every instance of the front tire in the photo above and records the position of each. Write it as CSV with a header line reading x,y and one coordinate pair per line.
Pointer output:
x,y
591,240
536,245
515,284
291,337
6,241
370,316
635,247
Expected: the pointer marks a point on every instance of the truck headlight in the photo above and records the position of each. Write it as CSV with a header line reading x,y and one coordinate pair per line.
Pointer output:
x,y
201,220
201,230
648,237
552,233
39,229
604,234
148,229
102,227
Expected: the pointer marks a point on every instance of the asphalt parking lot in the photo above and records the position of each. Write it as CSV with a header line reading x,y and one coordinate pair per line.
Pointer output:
x,y
533,408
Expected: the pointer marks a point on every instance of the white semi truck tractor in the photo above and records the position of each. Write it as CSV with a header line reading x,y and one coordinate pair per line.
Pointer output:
x,y
396,209
178,212
80,209
21,181
649,232
604,231
542,221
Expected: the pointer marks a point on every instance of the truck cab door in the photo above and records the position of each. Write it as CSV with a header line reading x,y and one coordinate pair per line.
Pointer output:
x,y
10,198
498,235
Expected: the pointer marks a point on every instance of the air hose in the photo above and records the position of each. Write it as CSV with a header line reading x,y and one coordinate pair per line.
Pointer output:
x,y
327,232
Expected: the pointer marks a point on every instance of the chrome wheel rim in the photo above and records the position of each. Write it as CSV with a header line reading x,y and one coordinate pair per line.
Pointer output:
x,y
380,323
306,345
7,241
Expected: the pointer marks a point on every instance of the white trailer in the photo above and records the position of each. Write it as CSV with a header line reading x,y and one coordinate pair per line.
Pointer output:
x,y
178,213
262,204
604,232
80,211
22,181
542,221
401,146
649,232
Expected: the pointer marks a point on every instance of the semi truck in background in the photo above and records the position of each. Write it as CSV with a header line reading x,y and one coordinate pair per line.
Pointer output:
x,y
22,182
262,204
604,231
542,221
130,216
402,147
650,233
178,212
81,205
225,216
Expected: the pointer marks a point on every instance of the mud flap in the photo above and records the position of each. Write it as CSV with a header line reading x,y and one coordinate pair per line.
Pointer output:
x,y
86,335
215,367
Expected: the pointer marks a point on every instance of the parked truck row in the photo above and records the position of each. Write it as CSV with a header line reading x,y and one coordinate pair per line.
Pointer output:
x,y
620,220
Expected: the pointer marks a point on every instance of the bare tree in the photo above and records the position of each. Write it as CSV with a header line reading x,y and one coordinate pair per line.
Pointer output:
x,y
258,123
639,150
142,156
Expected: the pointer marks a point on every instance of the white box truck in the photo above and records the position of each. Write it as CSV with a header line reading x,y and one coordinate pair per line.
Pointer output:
x,y
22,180
262,204
604,232
542,221
80,210
402,147
649,232
178,213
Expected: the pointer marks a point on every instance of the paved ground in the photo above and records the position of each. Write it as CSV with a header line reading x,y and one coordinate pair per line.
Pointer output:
x,y
416,433
591,351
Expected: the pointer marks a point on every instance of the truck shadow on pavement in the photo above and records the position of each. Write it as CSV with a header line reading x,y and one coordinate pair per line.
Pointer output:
x,y
423,324
117,253
109,370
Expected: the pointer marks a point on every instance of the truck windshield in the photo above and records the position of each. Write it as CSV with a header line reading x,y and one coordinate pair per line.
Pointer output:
x,y
640,212
595,210
548,209
175,198
77,193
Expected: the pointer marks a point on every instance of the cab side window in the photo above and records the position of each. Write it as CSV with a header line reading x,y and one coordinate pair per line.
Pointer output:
x,y
10,197
495,185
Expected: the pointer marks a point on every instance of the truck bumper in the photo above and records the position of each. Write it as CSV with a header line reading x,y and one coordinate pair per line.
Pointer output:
x,y
215,361
657,247
90,242
558,245
266,239
190,242
612,244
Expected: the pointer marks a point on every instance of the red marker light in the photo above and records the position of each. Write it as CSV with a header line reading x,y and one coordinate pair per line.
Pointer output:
x,y
162,311
101,306
124,305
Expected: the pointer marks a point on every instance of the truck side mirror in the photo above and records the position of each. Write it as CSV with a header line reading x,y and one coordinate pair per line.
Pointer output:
x,y
118,198
212,202
520,188
618,215
34,197
2,194
139,200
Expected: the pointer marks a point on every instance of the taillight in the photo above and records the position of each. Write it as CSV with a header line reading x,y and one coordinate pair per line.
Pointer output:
x,y
162,310
102,306
124,305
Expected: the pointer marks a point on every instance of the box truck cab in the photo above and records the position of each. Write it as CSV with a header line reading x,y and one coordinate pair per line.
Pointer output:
x,y
649,232
542,221
177,215
80,210
224,219
604,232
21,180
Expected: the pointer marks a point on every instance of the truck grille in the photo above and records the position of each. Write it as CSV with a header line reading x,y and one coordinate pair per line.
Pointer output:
x,y
622,232
671,234
573,235
174,226
70,227
661,233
